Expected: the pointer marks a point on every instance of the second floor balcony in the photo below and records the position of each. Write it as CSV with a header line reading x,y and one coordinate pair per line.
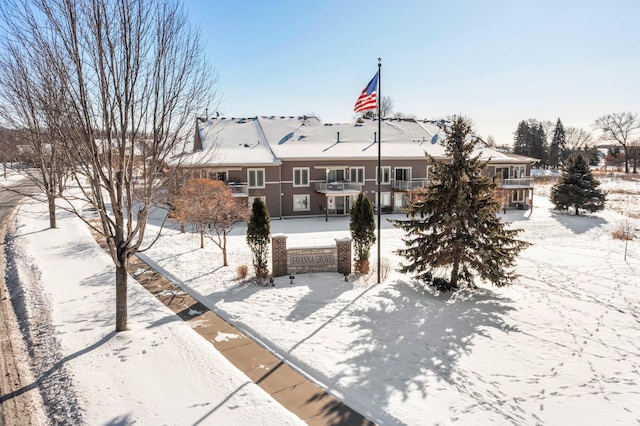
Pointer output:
x,y
238,189
523,182
409,185
413,184
350,187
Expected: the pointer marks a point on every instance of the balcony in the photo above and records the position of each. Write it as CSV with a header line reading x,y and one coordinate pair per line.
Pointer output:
x,y
409,185
517,183
238,189
342,187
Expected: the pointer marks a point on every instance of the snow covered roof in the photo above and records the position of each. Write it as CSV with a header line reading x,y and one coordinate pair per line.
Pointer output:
x,y
229,142
311,139
267,140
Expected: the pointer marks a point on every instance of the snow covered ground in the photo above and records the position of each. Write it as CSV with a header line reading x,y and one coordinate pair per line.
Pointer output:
x,y
159,372
560,346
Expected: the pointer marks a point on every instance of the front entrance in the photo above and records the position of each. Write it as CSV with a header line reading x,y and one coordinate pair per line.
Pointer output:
x,y
339,204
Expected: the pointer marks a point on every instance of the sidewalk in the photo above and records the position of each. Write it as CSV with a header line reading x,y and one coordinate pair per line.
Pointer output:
x,y
295,392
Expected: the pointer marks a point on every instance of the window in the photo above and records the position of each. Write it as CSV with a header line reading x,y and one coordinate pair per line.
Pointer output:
x,y
518,196
357,174
518,171
400,201
256,178
403,173
301,203
301,176
217,176
385,199
386,175
502,172
335,175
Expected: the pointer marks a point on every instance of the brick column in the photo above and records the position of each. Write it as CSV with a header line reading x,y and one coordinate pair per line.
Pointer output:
x,y
279,254
344,255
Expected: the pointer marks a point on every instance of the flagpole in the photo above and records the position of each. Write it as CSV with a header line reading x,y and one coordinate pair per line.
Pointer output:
x,y
379,164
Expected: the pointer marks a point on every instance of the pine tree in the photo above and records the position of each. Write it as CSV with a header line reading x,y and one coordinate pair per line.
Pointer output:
x,y
258,231
558,146
577,188
530,139
539,148
521,138
453,224
362,226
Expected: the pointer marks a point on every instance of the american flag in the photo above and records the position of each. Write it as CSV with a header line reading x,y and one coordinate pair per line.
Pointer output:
x,y
367,99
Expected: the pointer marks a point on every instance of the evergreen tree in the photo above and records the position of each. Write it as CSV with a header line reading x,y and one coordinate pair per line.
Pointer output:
x,y
578,188
362,226
539,148
530,139
453,224
258,231
558,146
521,139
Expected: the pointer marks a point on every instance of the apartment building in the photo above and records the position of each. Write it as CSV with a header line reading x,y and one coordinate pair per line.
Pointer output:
x,y
302,167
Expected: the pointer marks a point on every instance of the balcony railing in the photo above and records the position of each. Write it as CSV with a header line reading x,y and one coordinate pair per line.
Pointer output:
x,y
408,185
520,182
338,186
238,188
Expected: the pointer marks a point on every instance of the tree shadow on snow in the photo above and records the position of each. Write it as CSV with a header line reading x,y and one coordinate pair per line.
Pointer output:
x,y
320,294
103,315
123,420
409,335
577,224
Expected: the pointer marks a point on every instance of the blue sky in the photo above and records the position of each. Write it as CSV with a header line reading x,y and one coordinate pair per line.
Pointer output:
x,y
496,62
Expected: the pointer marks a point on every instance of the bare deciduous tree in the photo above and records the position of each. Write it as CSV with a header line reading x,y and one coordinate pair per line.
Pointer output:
x,y
30,94
619,127
210,207
131,74
9,141
577,139
386,109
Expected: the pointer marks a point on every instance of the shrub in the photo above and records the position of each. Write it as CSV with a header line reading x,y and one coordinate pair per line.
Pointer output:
x,y
385,267
258,231
362,266
242,271
624,231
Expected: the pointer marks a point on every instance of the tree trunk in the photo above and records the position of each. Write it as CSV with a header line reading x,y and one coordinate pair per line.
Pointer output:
x,y
121,295
577,212
626,160
52,210
224,250
201,239
454,274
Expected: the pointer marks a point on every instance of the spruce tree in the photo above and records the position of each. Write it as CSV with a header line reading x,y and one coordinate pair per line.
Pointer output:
x,y
453,224
558,145
539,147
577,188
362,226
530,139
258,231
521,139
